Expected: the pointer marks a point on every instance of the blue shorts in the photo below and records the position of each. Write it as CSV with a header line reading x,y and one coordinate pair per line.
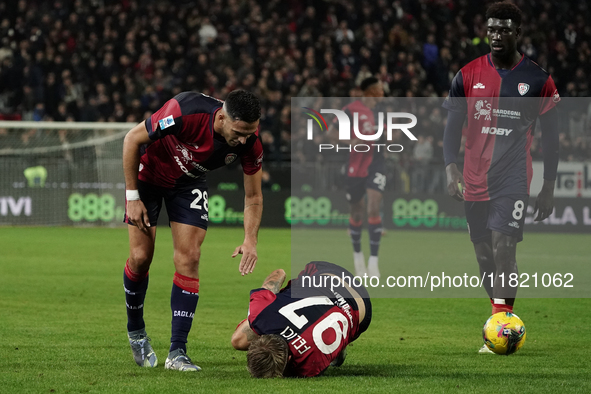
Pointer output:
x,y
187,205
505,215
375,179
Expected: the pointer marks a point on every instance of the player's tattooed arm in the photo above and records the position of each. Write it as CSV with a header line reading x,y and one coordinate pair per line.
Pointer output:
x,y
250,335
274,281
243,336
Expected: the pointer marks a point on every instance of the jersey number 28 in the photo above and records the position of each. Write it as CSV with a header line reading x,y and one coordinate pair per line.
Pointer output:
x,y
200,195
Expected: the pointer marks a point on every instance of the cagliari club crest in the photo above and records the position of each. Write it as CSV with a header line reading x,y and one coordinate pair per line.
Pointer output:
x,y
523,88
230,158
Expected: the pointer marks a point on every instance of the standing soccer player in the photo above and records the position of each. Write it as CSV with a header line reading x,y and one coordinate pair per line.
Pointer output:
x,y
167,158
503,93
366,176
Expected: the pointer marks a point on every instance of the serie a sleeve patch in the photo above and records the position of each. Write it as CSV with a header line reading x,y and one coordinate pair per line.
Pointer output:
x,y
166,122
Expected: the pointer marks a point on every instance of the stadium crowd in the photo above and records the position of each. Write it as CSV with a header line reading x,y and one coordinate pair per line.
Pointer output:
x,y
113,61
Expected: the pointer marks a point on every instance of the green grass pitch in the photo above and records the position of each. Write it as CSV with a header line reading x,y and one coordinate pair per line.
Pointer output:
x,y
62,320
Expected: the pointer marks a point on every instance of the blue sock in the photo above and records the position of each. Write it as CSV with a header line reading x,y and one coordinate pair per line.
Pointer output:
x,y
355,232
135,287
183,304
375,234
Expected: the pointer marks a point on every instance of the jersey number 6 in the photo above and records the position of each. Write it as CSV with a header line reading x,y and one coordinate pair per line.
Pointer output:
x,y
330,321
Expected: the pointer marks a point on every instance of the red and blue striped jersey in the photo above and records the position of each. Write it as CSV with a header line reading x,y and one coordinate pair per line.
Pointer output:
x,y
502,107
316,328
359,162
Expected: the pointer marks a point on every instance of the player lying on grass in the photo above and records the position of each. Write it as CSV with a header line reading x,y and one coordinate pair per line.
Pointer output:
x,y
301,334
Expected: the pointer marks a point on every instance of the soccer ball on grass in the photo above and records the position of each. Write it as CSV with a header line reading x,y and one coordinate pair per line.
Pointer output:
x,y
504,333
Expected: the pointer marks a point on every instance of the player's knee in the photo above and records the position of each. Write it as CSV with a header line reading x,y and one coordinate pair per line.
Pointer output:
x,y
373,212
504,247
484,259
187,261
484,254
356,215
140,259
357,218
503,241
373,209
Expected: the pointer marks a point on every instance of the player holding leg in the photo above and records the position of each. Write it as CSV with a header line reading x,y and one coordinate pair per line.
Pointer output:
x,y
506,92
284,331
166,158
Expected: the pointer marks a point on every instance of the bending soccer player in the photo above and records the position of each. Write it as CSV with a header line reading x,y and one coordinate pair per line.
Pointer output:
x,y
166,159
503,93
305,327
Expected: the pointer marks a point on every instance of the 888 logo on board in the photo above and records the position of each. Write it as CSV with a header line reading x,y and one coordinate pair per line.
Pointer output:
x,y
92,207
308,210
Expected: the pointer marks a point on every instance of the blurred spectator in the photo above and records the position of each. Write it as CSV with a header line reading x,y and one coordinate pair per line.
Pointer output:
x,y
207,33
344,34
97,58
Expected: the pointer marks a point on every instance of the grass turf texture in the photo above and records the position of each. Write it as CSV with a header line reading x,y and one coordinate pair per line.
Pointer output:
x,y
62,321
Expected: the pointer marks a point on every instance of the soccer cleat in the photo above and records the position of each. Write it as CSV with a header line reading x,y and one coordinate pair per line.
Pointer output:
x,y
337,362
179,361
485,350
143,354
372,266
359,261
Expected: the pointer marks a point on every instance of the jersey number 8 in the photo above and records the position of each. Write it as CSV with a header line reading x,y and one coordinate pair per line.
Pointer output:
x,y
518,211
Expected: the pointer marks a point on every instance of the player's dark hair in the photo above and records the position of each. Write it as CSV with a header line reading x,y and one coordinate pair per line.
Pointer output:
x,y
243,105
504,10
367,82
267,356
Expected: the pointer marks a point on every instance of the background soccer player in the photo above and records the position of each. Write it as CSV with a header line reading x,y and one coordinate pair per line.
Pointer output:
x,y
289,335
365,176
503,94
166,158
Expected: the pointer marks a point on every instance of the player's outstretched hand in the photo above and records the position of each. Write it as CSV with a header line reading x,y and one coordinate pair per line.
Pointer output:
x,y
455,182
249,257
137,213
544,203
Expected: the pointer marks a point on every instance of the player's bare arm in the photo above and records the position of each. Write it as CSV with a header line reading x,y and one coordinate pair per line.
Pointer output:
x,y
243,336
452,141
135,138
544,204
275,280
253,211
454,180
